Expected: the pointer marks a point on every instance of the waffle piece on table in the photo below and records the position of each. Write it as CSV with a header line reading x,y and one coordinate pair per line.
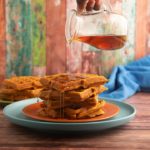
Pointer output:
x,y
74,95
18,88
22,83
13,95
67,82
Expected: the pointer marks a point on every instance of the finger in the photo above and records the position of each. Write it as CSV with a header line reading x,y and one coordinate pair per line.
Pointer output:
x,y
90,5
97,4
81,5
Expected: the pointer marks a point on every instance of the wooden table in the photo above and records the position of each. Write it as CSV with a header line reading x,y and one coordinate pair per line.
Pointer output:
x,y
134,135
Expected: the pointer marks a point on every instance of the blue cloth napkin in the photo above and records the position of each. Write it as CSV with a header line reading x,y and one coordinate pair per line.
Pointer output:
x,y
125,81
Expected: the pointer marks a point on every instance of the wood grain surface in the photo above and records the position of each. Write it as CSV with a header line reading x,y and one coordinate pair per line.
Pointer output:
x,y
141,28
2,40
55,36
38,14
18,35
134,135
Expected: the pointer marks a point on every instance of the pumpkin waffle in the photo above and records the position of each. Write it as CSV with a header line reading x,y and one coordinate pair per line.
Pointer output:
x,y
67,82
75,112
46,80
22,83
55,104
74,95
83,112
13,95
18,88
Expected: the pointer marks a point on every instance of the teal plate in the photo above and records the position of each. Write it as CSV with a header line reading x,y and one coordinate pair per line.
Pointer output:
x,y
14,114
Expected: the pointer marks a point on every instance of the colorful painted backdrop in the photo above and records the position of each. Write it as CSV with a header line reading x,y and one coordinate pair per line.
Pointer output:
x,y
32,40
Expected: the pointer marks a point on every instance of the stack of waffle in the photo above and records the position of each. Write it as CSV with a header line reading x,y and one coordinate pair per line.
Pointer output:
x,y
18,88
72,96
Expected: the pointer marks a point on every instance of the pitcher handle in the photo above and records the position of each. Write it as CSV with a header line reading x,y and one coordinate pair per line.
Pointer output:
x,y
72,25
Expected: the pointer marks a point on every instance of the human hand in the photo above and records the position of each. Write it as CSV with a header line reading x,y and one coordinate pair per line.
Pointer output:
x,y
88,5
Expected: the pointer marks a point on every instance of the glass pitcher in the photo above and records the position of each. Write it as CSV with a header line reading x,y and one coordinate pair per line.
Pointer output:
x,y
103,29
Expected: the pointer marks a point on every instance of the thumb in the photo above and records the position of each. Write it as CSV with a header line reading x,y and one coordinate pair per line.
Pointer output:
x,y
81,5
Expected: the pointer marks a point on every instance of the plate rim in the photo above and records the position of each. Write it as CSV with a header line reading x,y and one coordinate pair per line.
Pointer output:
x,y
68,123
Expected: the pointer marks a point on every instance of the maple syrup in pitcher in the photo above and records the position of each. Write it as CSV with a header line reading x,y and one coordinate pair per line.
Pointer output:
x,y
104,42
103,29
